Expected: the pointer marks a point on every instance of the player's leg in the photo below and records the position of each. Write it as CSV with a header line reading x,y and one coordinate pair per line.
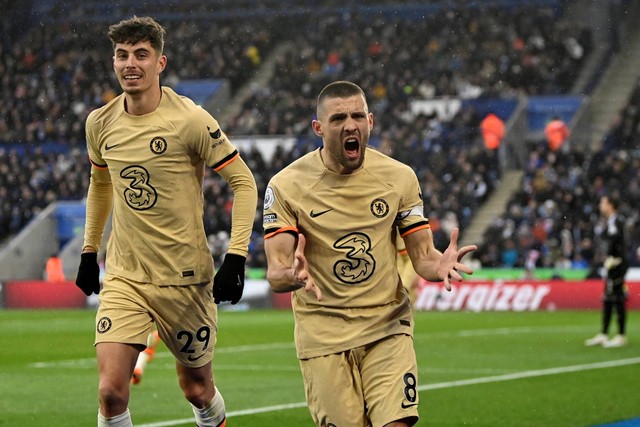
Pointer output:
x,y
145,357
115,364
607,314
619,340
122,420
122,326
619,304
390,382
186,318
622,317
207,402
602,337
334,390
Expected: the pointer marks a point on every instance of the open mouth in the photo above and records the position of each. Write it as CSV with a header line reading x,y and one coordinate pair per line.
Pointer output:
x,y
352,146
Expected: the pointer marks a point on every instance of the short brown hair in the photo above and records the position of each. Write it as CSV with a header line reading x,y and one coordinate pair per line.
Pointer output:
x,y
138,29
340,89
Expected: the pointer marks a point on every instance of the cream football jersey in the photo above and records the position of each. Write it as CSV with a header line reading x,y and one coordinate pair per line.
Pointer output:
x,y
156,163
349,222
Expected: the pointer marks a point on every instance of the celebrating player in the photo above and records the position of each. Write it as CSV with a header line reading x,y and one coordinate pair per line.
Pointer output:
x,y
330,222
149,148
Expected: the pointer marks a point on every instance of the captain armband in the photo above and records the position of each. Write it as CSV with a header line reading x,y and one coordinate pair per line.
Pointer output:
x,y
415,211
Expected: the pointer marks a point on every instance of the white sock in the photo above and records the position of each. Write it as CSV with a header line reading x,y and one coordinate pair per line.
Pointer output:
x,y
141,363
122,420
212,415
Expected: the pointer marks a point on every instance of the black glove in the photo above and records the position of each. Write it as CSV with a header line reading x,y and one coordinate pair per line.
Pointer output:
x,y
88,278
228,283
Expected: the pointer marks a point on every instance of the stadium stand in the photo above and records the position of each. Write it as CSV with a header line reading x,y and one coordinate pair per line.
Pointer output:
x,y
465,53
553,220
55,72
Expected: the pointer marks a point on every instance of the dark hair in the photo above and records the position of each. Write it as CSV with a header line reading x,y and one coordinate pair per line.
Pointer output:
x,y
614,200
340,89
138,29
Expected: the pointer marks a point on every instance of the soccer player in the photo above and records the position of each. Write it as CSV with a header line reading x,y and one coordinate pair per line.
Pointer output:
x,y
616,265
149,148
330,222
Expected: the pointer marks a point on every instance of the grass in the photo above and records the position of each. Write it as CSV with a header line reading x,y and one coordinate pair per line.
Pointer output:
x,y
476,369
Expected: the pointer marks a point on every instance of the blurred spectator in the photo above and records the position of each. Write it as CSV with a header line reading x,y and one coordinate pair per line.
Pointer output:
x,y
556,132
53,269
492,128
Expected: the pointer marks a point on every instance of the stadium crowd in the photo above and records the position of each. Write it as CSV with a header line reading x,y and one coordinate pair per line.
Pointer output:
x,y
465,53
54,75
553,219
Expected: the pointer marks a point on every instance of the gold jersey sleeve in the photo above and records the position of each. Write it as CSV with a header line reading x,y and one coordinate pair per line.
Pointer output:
x,y
156,163
350,223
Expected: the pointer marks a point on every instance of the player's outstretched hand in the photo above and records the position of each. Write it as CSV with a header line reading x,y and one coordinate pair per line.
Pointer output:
x,y
88,278
228,283
450,265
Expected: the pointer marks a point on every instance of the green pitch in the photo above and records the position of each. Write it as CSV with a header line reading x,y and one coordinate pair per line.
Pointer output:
x,y
487,369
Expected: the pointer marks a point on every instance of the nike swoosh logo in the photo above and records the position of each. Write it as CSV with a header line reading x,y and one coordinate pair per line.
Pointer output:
x,y
107,147
405,406
191,358
317,214
214,135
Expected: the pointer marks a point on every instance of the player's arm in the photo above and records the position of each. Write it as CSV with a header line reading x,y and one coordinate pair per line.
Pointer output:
x,y
100,193
99,203
287,268
205,137
245,199
433,265
228,283
98,208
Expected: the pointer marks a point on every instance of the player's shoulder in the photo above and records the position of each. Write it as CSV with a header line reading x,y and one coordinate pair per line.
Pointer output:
x,y
174,97
379,163
107,113
308,164
177,101
178,108
299,173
